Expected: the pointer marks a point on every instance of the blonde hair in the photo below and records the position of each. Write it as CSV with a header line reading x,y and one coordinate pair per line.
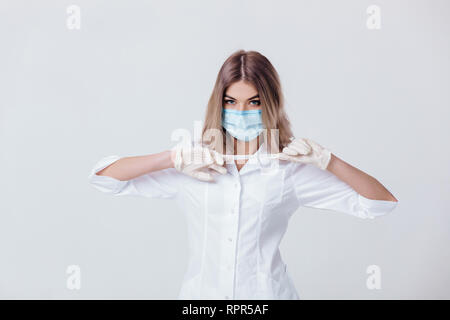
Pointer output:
x,y
252,67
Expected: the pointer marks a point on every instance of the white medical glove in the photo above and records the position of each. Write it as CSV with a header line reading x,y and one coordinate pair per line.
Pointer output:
x,y
306,151
197,161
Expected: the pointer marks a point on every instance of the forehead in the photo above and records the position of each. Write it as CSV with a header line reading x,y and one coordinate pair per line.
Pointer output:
x,y
241,90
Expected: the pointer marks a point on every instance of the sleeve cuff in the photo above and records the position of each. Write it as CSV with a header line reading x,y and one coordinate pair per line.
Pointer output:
x,y
375,208
105,183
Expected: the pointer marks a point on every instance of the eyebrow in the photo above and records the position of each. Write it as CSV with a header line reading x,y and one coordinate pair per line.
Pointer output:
x,y
257,96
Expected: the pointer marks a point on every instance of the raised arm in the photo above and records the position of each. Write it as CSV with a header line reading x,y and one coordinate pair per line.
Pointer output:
x,y
360,181
322,180
151,176
128,168
156,175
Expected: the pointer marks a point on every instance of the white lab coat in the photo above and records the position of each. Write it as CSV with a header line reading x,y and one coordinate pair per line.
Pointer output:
x,y
235,224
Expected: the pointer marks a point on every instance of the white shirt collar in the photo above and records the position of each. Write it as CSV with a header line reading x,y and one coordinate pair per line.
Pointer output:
x,y
254,162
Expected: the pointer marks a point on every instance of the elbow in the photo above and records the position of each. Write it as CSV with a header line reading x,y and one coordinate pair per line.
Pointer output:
x,y
100,172
390,197
394,199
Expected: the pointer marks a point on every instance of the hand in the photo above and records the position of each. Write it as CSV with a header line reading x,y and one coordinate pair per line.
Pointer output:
x,y
306,151
197,161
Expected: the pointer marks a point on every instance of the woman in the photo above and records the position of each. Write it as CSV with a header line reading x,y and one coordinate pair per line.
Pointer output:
x,y
238,196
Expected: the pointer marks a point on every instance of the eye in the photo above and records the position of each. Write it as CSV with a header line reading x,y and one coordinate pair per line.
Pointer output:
x,y
257,102
227,101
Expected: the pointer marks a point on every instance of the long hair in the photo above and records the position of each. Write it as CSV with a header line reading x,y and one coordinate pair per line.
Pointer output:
x,y
252,67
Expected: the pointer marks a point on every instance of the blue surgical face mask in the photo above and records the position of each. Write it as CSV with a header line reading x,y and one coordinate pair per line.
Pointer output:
x,y
244,125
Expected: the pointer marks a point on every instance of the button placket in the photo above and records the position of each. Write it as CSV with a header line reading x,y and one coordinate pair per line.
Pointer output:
x,y
235,208
228,265
230,239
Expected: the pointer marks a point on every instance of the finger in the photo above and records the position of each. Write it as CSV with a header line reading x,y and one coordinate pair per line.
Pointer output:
x,y
211,155
196,155
218,168
284,156
314,144
289,151
195,167
187,155
207,157
203,176
217,157
297,158
305,159
301,146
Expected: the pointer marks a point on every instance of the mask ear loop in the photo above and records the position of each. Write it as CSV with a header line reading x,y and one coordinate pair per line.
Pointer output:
x,y
232,157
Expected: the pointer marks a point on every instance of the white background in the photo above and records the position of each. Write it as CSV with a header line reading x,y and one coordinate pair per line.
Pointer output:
x,y
137,70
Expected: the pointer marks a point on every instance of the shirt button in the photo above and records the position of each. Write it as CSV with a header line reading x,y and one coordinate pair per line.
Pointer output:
x,y
227,297
236,185
230,239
